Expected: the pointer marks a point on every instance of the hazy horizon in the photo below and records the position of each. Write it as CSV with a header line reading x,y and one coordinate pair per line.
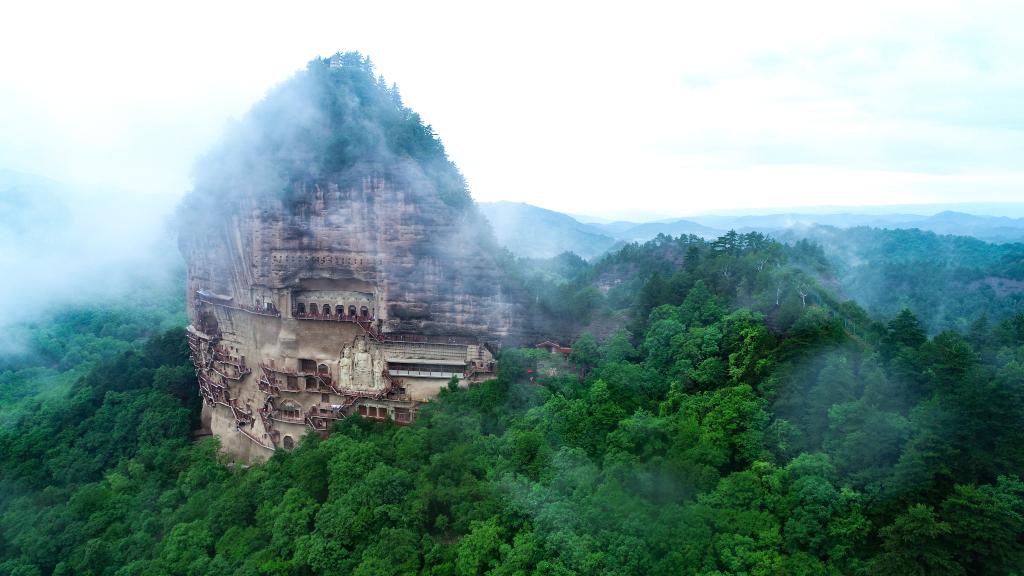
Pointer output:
x,y
793,108
794,105
252,321
990,209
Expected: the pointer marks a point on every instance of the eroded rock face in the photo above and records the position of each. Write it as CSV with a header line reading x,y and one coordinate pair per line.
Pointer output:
x,y
418,265
336,266
365,293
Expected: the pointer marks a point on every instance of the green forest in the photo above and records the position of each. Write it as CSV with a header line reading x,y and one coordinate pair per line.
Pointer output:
x,y
883,269
743,419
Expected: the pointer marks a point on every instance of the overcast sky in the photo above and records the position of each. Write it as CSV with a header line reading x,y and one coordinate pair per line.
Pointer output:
x,y
624,109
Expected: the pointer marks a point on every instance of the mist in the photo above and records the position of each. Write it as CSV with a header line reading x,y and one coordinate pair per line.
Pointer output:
x,y
875,104
62,245
756,388
119,130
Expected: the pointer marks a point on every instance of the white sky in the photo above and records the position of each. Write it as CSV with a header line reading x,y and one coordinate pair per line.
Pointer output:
x,y
624,109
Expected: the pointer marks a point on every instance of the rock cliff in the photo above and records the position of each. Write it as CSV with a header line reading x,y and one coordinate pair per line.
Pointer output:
x,y
336,264
360,238
331,184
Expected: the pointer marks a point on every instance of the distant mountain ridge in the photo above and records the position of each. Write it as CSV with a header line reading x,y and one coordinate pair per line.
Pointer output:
x,y
536,232
999,229
646,231
532,231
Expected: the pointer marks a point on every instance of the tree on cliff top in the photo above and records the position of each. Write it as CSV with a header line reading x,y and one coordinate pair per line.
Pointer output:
x,y
324,122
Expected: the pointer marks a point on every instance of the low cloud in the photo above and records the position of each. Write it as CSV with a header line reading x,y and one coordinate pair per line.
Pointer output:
x,y
61,245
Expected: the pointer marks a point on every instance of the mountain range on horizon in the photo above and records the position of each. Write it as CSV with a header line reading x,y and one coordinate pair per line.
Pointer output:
x,y
532,231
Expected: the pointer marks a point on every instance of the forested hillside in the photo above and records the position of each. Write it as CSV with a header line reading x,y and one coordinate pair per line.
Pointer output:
x,y
949,282
743,421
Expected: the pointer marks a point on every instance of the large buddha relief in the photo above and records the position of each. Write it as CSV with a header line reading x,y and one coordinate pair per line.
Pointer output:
x,y
362,369
362,366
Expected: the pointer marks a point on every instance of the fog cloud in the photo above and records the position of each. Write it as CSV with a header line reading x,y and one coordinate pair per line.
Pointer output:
x,y
679,108
61,245
655,109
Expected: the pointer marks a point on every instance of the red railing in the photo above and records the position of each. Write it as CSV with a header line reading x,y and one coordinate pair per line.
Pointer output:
x,y
316,423
274,386
364,322
262,311
241,418
203,378
268,388
239,373
221,355
319,416
297,419
290,372
255,440
331,317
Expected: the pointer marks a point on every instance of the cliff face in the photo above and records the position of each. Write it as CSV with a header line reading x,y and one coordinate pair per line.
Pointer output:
x,y
359,239
332,189
336,265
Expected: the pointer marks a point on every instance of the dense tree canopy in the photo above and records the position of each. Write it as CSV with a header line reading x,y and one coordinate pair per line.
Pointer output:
x,y
947,281
326,122
745,421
